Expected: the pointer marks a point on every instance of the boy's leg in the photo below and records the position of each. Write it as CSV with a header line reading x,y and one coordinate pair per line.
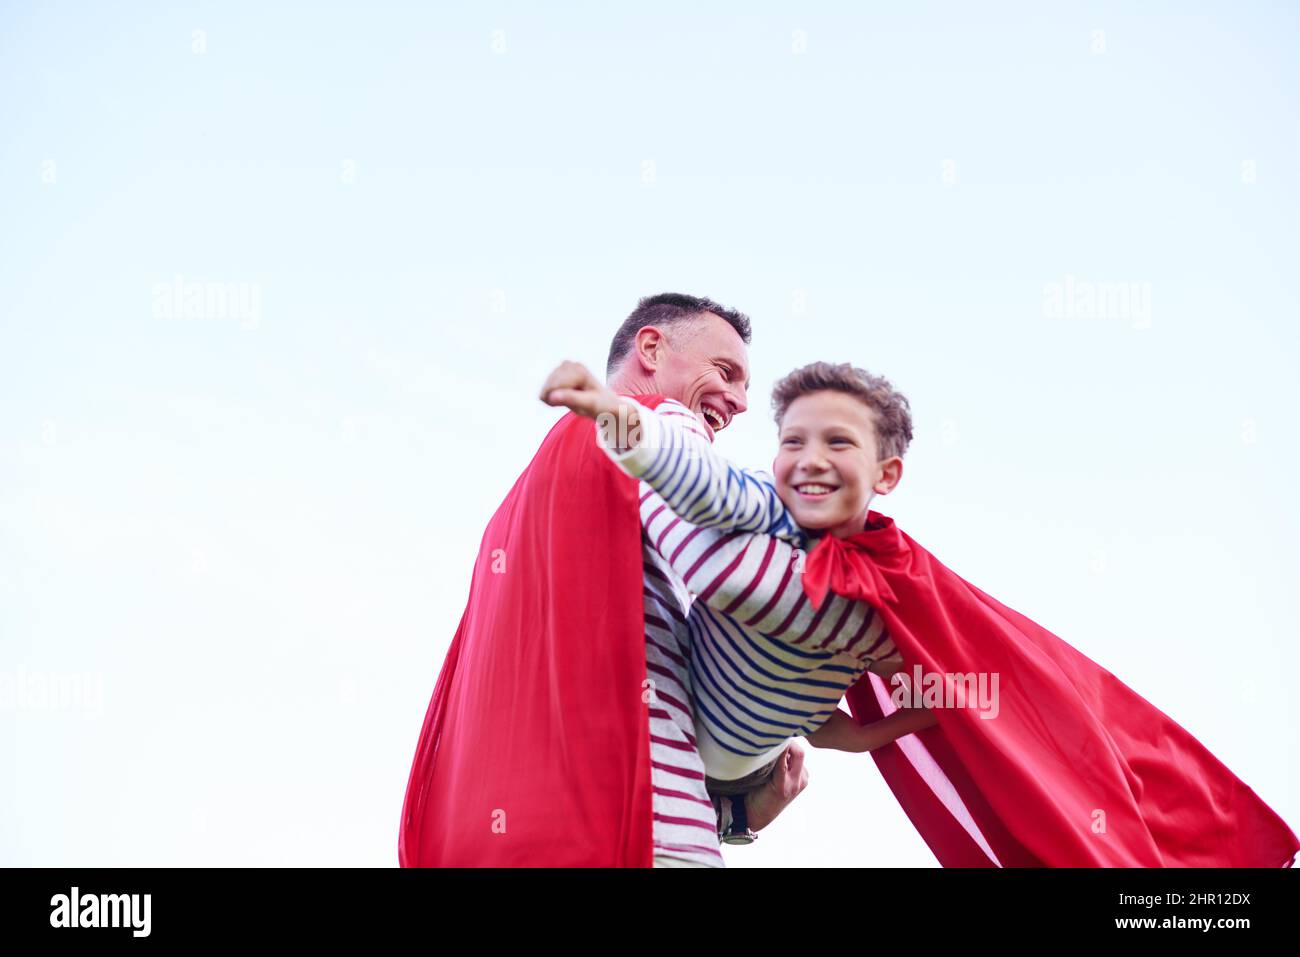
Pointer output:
x,y
743,785
726,768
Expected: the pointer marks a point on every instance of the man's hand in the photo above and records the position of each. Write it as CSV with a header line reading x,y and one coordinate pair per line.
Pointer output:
x,y
841,733
572,385
789,777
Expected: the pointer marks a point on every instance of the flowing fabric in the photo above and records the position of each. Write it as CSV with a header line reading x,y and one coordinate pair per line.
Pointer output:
x,y
1069,767
535,749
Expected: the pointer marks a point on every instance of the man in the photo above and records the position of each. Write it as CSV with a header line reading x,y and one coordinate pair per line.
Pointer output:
x,y
560,731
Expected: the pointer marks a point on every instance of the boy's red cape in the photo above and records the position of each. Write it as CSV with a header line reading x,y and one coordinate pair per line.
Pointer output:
x,y
1076,769
535,749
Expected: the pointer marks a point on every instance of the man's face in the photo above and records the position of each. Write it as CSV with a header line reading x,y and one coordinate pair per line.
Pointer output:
x,y
828,461
706,367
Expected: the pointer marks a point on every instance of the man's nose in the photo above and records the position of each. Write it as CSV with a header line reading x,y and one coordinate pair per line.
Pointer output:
x,y
736,399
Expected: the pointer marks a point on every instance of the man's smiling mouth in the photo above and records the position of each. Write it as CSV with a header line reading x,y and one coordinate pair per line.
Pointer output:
x,y
717,421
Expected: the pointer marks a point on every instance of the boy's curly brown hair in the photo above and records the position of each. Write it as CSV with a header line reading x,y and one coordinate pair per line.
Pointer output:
x,y
892,412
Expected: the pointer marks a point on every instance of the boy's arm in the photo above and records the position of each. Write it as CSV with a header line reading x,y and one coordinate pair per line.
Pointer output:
x,y
758,581
667,449
699,485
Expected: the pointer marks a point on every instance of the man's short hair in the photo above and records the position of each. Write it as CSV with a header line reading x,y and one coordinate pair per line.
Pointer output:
x,y
666,310
891,412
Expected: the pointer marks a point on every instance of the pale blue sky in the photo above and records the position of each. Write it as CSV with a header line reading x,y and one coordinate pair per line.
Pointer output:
x,y
247,538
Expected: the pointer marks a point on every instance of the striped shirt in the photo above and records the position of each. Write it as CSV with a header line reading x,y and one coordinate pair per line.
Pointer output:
x,y
764,665
685,824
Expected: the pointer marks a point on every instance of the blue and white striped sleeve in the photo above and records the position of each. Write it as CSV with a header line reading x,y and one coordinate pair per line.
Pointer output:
x,y
672,454
756,580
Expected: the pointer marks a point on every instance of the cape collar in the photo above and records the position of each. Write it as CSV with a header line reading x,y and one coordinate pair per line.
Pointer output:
x,y
848,566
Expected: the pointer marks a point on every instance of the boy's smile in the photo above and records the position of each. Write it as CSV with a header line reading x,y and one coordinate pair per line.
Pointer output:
x,y
815,491
827,468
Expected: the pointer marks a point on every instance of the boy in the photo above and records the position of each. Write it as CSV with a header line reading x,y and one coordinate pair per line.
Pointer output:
x,y
765,665
1078,770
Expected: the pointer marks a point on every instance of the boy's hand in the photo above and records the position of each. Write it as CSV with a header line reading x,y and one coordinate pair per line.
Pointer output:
x,y
572,385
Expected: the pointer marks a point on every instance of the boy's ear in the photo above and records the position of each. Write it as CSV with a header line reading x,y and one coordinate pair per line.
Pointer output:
x,y
891,473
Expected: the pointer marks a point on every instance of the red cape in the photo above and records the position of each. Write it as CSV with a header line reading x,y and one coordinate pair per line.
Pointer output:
x,y
1076,769
535,749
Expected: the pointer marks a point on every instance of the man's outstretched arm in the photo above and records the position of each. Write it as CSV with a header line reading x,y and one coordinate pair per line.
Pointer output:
x,y
842,733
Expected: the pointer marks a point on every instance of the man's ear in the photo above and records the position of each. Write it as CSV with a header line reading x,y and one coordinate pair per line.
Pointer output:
x,y
891,473
649,346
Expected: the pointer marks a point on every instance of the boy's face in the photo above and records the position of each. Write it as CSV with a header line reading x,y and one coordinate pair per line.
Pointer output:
x,y
828,467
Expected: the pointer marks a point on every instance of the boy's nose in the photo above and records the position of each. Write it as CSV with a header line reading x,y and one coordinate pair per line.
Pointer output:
x,y
813,462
